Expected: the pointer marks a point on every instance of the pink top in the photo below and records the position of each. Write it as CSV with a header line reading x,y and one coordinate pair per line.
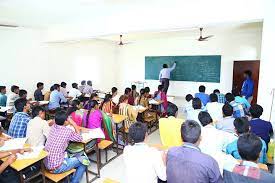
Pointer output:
x,y
77,117
95,119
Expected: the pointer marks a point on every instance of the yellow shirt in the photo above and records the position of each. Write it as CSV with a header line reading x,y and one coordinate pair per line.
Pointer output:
x,y
169,129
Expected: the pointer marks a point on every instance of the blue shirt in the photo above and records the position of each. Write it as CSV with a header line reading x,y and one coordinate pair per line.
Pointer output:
x,y
203,97
237,109
247,88
18,125
3,100
56,98
242,101
232,149
261,128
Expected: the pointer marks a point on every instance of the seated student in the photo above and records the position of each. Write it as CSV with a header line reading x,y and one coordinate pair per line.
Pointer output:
x,y
193,114
258,126
3,96
93,117
38,95
221,97
127,110
63,89
74,113
23,94
202,96
241,100
188,106
161,96
12,97
249,146
169,129
187,163
143,100
48,94
56,98
242,127
20,120
93,96
238,110
214,108
127,91
38,128
133,95
227,123
88,89
59,137
147,161
74,93
107,104
115,97
82,86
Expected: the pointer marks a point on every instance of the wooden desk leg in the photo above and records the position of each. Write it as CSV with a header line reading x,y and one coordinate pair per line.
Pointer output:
x,y
87,175
97,160
42,170
124,133
117,139
21,177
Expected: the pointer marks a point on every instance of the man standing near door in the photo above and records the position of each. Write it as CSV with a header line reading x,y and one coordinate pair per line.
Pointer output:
x,y
248,86
164,76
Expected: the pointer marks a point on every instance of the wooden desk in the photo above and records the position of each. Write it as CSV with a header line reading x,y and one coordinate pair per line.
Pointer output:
x,y
117,118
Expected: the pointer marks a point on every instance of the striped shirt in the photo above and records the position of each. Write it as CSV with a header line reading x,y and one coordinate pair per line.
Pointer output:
x,y
18,125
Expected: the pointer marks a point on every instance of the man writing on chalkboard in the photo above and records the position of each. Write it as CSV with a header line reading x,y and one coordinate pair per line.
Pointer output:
x,y
164,76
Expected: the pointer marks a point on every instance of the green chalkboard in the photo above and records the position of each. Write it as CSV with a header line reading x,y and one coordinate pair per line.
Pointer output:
x,y
203,68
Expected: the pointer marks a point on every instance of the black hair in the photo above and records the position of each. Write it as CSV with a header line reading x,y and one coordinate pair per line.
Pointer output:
x,y
91,105
93,95
83,82
36,110
227,110
213,97
89,82
188,97
147,89
107,98
56,86
160,87
190,131
205,118
114,89
14,87
216,91
249,147
52,88
60,117
127,91
248,72
256,111
236,92
122,98
22,92
20,104
73,107
229,97
196,103
137,132
165,66
74,85
202,88
172,111
39,84
134,87
2,88
63,84
241,125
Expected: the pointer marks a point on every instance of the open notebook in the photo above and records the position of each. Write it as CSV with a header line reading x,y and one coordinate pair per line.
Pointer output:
x,y
17,143
96,133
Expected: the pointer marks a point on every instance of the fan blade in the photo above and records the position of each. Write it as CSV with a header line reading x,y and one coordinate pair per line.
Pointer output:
x,y
207,37
8,25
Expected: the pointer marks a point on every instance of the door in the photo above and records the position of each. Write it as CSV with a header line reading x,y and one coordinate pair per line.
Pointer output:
x,y
239,68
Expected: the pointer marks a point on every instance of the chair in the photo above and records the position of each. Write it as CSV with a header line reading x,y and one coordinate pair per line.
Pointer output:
x,y
104,145
58,177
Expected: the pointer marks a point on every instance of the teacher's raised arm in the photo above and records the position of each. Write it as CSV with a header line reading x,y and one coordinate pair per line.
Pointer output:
x,y
164,76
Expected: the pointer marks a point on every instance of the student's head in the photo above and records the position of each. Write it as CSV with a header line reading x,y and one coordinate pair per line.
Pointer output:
x,y
75,85
142,92
63,84
89,83
93,104
40,85
83,82
74,107
249,147
94,96
134,87
3,89
21,105
127,91
147,89
173,111
191,132
216,91
165,66
108,97
60,117
114,91
213,97
256,111
227,110
205,118
236,92
229,97
160,87
38,111
23,94
188,97
202,89
241,125
196,103
52,88
138,132
15,89
247,74
56,87
123,99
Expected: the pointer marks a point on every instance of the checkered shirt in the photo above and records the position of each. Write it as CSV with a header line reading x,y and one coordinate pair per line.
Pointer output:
x,y
238,110
18,125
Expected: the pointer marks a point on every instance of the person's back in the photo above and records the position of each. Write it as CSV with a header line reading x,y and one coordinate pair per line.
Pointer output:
x,y
238,110
227,123
193,114
3,97
202,95
56,97
214,108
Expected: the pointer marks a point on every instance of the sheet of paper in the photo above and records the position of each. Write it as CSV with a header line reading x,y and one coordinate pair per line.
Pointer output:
x,y
96,133
4,109
153,101
139,108
30,155
43,102
17,143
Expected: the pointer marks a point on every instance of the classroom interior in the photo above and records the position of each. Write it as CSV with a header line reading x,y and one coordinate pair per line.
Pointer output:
x,y
71,41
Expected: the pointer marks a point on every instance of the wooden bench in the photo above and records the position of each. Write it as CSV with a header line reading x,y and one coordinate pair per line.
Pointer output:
x,y
110,181
104,145
58,177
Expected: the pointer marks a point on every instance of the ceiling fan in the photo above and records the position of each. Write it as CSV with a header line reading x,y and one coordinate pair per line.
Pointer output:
x,y
121,43
8,25
203,38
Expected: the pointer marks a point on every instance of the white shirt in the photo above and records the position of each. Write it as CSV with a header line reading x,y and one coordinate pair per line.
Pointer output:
x,y
165,72
215,110
115,99
74,93
37,131
188,107
88,89
64,91
226,124
81,88
193,115
12,97
143,164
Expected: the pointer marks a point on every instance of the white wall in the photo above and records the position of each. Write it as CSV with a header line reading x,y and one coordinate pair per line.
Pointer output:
x,y
236,44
